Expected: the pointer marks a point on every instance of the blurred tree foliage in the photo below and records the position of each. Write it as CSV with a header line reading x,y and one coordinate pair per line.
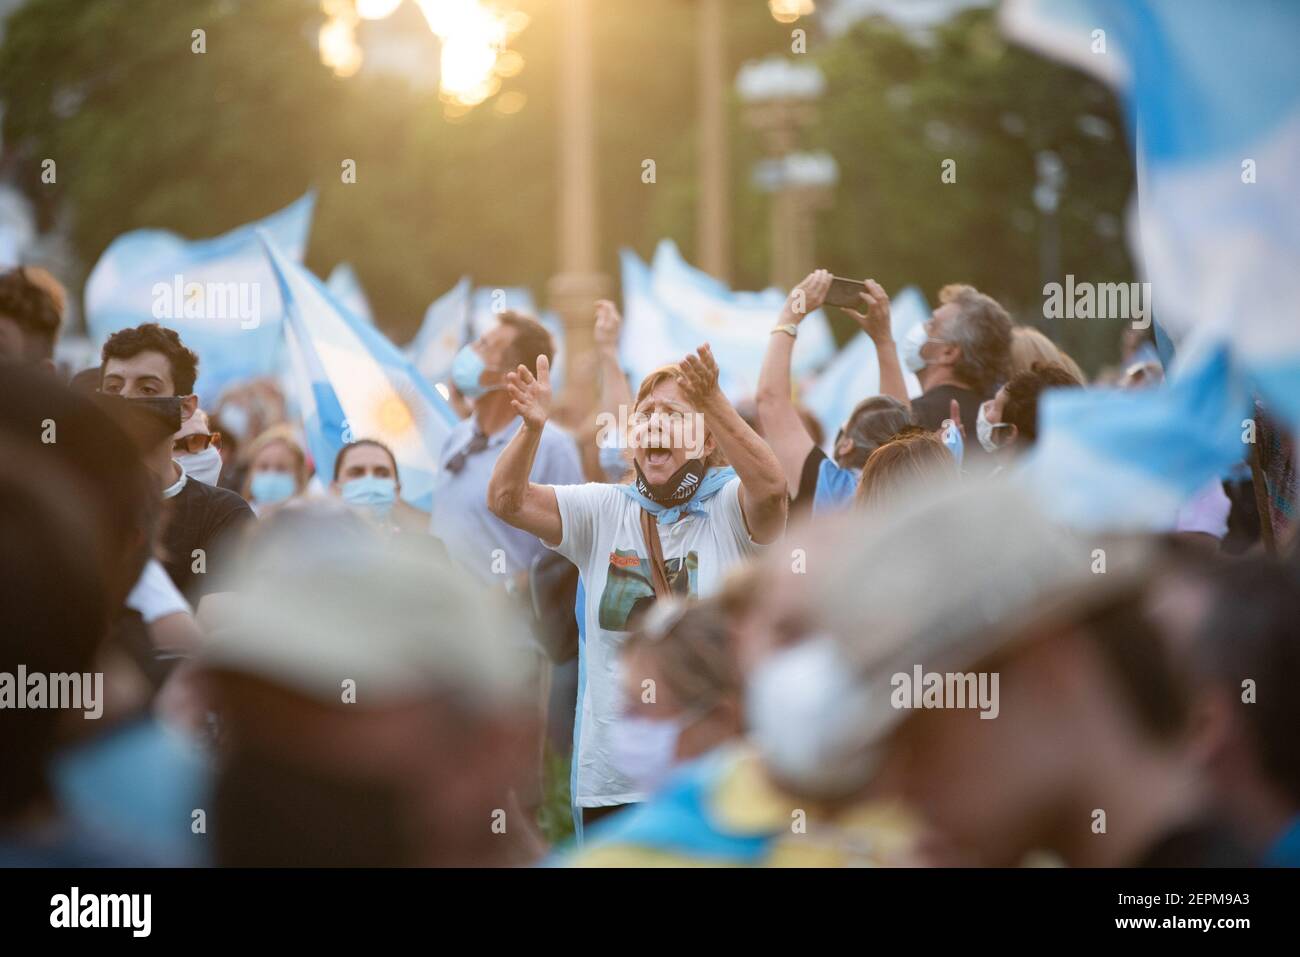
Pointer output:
x,y
148,134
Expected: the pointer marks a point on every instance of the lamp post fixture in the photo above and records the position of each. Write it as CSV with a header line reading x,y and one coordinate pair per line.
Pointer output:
x,y
780,102
713,239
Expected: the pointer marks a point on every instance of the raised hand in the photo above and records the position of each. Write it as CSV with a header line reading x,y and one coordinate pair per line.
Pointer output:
x,y
608,324
530,395
874,318
699,376
807,297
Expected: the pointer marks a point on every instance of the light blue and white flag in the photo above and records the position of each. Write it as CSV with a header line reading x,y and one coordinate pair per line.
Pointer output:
x,y
671,308
345,287
854,373
490,301
352,383
1211,93
219,294
555,326
444,330
1114,459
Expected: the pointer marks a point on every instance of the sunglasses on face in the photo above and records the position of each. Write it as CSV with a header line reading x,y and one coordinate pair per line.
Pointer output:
x,y
196,443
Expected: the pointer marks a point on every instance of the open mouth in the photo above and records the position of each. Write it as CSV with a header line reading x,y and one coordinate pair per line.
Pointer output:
x,y
659,455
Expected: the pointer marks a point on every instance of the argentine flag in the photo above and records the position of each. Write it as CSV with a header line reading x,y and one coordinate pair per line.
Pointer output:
x,y
488,301
671,308
854,373
218,294
352,383
1211,92
444,330
345,287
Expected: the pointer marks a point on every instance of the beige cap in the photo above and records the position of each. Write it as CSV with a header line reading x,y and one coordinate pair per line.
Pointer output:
x,y
947,580
321,598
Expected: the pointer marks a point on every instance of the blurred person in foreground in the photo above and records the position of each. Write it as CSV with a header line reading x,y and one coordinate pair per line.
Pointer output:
x,y
706,493
725,803
275,470
151,363
112,787
31,315
681,691
817,482
1239,624
371,703
1029,705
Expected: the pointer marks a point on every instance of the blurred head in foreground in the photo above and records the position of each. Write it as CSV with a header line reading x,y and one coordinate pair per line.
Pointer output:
x,y
682,690
31,313
371,704
1239,624
996,671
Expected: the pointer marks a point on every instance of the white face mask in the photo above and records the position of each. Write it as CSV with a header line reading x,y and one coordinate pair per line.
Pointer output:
x,y
204,466
909,350
808,717
985,430
645,749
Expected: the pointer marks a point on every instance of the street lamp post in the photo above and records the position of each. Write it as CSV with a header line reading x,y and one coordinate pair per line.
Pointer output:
x,y
780,101
713,239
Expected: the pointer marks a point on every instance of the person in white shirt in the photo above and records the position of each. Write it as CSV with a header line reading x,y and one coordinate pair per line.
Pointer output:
x,y
706,490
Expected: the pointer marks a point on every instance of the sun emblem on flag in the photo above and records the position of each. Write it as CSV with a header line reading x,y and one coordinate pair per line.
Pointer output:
x,y
396,411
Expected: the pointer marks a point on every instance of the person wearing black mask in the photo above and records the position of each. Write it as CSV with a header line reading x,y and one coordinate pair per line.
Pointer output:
x,y
707,492
150,363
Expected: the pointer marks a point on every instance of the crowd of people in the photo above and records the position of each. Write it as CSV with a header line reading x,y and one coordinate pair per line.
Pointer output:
x,y
752,646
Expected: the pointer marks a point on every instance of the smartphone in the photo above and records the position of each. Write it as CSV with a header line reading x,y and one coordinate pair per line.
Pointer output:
x,y
846,293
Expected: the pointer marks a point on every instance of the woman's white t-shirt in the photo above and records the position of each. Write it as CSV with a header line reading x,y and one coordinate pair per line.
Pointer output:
x,y
602,536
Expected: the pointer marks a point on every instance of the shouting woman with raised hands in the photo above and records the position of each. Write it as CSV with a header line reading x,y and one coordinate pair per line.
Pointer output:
x,y
706,493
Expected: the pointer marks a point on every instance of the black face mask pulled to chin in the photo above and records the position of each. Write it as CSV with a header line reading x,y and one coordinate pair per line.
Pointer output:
x,y
679,487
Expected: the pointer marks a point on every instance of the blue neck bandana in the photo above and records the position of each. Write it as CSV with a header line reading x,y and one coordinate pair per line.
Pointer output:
x,y
712,483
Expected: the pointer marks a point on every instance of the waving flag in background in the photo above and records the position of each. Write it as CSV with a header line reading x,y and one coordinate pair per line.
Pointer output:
x,y
854,373
490,300
444,330
1211,92
219,294
345,287
352,383
672,307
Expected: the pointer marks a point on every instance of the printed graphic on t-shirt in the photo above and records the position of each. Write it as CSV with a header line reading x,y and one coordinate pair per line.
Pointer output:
x,y
629,591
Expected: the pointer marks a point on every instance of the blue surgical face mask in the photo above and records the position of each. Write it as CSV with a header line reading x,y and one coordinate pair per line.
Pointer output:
x,y
466,371
267,488
376,494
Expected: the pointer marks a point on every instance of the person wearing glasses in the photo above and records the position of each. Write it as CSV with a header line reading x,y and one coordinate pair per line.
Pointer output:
x,y
150,363
492,550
